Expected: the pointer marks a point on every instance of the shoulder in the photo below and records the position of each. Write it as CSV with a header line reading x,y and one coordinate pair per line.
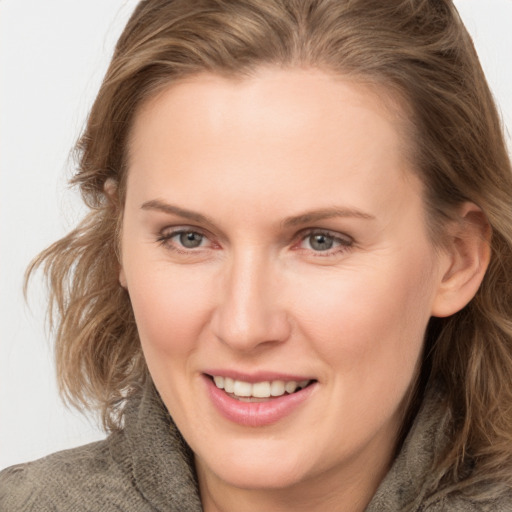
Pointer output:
x,y
492,502
92,477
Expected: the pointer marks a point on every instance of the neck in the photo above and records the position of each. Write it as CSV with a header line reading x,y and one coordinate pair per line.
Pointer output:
x,y
347,490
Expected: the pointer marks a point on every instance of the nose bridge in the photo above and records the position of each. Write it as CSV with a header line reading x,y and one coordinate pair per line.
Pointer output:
x,y
250,310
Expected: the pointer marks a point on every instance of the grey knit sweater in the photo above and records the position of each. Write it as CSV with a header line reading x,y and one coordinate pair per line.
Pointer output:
x,y
148,467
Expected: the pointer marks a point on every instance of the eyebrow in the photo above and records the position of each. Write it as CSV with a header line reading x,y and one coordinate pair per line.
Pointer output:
x,y
295,220
325,213
157,204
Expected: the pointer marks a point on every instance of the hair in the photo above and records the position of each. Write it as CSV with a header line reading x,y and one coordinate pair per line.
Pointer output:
x,y
417,49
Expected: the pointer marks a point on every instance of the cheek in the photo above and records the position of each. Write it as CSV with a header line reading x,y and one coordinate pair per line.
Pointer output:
x,y
370,320
171,308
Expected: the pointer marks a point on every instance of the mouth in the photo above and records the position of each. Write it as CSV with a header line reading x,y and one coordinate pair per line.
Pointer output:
x,y
259,391
252,401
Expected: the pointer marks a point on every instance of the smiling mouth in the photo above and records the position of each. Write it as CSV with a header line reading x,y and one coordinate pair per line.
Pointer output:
x,y
258,391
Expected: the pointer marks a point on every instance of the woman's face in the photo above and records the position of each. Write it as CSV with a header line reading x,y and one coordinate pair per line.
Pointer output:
x,y
274,234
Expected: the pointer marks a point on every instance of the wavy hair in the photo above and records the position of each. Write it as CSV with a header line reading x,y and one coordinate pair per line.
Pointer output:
x,y
417,49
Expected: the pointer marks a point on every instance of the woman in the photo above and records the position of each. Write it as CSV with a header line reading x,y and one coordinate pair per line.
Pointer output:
x,y
293,289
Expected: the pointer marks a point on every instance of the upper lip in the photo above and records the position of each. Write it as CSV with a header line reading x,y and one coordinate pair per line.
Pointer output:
x,y
259,376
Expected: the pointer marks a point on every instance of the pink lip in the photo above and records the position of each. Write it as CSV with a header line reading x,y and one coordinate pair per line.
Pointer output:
x,y
256,414
258,376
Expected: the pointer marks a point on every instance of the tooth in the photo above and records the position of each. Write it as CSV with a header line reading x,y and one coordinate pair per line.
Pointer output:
x,y
242,388
248,399
261,389
229,385
290,387
277,388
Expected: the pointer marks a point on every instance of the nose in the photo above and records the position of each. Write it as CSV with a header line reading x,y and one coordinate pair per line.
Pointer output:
x,y
249,312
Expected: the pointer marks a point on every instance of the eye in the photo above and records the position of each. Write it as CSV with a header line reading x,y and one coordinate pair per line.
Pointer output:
x,y
182,240
190,239
322,241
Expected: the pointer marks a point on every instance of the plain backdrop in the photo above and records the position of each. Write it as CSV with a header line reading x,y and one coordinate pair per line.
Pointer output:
x,y
53,55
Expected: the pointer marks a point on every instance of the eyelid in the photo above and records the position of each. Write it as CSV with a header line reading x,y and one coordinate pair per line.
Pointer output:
x,y
328,232
182,228
345,241
165,235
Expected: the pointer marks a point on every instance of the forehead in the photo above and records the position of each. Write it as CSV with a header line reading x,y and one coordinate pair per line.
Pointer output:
x,y
289,97
281,130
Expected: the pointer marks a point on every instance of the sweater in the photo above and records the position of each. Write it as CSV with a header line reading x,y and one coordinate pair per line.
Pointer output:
x,y
148,467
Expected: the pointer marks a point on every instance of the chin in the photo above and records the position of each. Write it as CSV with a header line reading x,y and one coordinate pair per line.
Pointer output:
x,y
258,465
258,475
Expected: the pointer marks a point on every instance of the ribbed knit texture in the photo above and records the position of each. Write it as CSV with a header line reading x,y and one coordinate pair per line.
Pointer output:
x,y
148,467
145,467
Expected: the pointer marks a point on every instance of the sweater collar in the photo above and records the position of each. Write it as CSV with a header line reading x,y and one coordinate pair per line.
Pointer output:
x,y
410,480
162,463
163,469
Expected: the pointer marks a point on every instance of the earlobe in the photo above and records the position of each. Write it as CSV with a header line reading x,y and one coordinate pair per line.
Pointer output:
x,y
468,255
122,279
110,188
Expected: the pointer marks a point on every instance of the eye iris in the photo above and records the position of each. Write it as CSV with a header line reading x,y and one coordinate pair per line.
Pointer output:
x,y
190,239
321,242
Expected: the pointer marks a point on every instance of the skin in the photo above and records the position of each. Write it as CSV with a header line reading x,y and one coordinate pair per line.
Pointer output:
x,y
257,295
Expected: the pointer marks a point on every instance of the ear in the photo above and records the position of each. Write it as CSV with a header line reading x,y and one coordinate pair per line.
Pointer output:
x,y
110,189
467,258
122,278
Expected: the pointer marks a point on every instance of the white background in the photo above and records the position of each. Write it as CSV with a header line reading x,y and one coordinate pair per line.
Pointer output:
x,y
53,55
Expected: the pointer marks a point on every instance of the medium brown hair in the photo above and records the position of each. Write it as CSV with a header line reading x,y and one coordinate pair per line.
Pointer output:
x,y
419,50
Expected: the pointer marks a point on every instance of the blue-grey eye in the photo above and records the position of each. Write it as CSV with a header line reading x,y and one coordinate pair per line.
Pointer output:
x,y
190,239
321,242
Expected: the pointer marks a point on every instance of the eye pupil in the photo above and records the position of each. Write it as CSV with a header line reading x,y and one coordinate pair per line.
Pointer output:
x,y
190,239
321,242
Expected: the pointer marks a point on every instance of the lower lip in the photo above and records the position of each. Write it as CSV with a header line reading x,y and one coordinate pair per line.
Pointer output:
x,y
256,414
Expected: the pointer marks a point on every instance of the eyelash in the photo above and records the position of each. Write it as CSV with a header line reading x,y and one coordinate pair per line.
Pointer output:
x,y
165,238
345,243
